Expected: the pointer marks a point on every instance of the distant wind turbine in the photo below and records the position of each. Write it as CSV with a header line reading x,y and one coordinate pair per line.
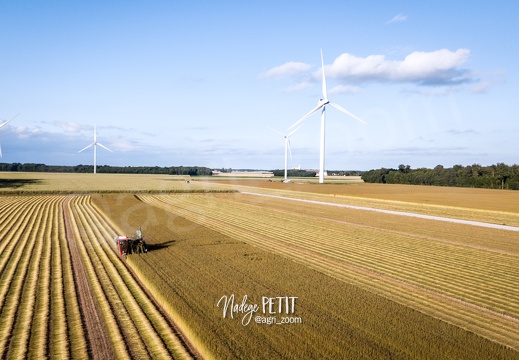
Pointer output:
x,y
287,145
94,144
2,125
322,105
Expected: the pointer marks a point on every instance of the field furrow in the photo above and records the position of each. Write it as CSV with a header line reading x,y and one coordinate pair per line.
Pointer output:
x,y
24,316
148,334
12,280
109,319
462,285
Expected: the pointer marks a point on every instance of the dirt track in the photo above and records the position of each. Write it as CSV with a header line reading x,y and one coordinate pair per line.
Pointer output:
x,y
99,346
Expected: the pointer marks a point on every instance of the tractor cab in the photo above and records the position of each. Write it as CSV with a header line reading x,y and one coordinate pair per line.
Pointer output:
x,y
123,245
127,246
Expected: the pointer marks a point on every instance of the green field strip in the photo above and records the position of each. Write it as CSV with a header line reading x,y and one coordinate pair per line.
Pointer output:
x,y
147,318
102,298
246,227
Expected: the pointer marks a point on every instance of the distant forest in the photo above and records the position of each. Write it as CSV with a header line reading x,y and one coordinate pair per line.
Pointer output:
x,y
499,176
172,170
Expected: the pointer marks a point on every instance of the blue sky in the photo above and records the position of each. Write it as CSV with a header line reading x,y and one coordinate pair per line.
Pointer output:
x,y
173,83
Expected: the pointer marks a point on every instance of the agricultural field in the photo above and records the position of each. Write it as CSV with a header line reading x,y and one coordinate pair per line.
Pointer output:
x,y
361,284
65,294
426,272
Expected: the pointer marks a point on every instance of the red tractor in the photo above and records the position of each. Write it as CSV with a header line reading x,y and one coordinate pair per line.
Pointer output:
x,y
127,246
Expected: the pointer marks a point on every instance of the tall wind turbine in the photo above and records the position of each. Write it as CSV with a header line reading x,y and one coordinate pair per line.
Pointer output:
x,y
94,144
322,105
2,125
287,145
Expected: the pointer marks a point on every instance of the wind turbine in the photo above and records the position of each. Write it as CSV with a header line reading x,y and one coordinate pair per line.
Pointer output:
x,y
94,144
287,145
2,125
322,105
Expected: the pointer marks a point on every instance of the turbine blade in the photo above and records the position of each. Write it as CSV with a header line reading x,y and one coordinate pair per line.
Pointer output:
x,y
338,107
85,148
0,151
289,151
104,147
294,131
279,132
5,123
325,94
307,115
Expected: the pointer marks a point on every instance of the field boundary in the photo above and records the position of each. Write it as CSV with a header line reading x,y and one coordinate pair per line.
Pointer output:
x,y
392,212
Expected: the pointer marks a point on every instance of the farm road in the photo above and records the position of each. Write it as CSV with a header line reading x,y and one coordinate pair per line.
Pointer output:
x,y
393,212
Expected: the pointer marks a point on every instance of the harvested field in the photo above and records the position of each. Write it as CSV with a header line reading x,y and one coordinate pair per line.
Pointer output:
x,y
482,199
244,245
366,284
65,294
493,206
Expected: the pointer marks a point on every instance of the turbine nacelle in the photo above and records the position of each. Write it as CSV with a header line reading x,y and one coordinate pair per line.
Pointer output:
x,y
323,102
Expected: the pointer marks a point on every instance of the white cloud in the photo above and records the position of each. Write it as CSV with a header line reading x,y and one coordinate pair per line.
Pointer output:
x,y
397,18
289,68
297,87
23,132
344,89
68,126
480,88
440,67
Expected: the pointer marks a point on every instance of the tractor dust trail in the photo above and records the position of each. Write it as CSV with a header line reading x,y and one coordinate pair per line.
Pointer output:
x,y
393,212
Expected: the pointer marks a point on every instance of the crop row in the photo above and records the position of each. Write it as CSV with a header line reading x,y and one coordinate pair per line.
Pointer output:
x,y
38,317
190,267
41,310
467,286
136,326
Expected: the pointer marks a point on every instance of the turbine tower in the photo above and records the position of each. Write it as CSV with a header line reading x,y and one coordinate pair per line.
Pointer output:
x,y
2,125
322,105
287,145
94,144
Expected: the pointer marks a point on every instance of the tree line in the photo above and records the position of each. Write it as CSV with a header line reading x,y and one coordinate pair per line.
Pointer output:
x,y
294,173
498,176
171,170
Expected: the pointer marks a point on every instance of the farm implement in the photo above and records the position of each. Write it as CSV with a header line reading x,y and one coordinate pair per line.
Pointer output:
x,y
128,245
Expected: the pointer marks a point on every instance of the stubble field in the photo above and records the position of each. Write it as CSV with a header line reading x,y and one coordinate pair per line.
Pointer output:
x,y
368,285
